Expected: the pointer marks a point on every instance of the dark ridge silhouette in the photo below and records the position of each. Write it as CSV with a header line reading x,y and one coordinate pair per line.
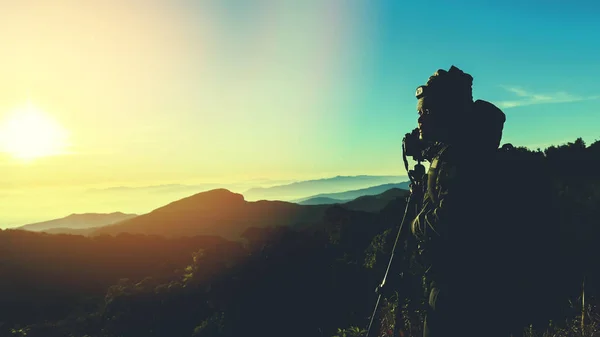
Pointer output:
x,y
217,212
79,221
321,201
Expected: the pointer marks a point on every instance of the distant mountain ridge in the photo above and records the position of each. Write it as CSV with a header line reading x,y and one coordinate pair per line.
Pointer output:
x,y
321,201
307,188
376,203
351,195
223,213
79,221
366,203
200,213
220,212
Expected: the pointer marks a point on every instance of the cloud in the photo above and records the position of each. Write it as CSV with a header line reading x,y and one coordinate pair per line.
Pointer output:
x,y
528,98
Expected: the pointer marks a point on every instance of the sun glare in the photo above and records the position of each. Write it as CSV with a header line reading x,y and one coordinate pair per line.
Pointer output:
x,y
28,133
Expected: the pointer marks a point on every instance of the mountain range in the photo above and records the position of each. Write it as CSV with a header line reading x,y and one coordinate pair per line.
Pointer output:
x,y
223,213
307,188
217,212
228,214
341,197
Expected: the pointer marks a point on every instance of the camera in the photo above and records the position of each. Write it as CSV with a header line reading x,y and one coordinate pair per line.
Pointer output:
x,y
414,146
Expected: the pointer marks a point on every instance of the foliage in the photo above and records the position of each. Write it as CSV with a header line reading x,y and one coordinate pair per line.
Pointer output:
x,y
352,331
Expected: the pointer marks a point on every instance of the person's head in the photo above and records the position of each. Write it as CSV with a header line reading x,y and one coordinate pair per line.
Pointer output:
x,y
448,114
445,105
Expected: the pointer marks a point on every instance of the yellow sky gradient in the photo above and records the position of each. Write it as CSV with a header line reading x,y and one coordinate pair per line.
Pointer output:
x,y
159,92
141,85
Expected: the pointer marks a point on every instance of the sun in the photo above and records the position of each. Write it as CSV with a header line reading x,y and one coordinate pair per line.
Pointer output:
x,y
27,133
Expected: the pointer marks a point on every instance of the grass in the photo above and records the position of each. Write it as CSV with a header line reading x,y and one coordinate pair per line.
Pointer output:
x,y
585,324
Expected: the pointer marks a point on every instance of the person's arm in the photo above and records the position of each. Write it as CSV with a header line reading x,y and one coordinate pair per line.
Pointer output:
x,y
448,206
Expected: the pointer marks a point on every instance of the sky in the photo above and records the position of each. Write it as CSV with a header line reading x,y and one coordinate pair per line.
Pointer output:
x,y
146,92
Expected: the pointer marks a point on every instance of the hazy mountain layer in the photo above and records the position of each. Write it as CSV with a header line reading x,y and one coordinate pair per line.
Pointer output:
x,y
79,221
308,188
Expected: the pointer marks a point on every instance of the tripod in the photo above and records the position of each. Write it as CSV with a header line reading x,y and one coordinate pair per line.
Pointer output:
x,y
417,188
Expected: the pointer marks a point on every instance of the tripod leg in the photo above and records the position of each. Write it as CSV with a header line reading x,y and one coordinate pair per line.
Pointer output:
x,y
399,319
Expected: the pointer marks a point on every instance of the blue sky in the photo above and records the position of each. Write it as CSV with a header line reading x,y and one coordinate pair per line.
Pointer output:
x,y
537,60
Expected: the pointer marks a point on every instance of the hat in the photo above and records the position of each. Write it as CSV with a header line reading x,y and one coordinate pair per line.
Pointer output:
x,y
445,87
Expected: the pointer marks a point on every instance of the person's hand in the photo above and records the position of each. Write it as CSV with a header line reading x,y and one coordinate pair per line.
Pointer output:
x,y
417,190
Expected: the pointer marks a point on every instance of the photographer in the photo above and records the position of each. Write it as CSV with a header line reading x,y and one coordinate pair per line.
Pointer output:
x,y
451,228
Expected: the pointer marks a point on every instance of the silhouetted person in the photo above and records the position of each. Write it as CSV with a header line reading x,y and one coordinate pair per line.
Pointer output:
x,y
452,227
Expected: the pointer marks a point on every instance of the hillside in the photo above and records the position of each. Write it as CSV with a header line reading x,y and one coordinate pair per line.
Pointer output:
x,y
217,212
79,221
